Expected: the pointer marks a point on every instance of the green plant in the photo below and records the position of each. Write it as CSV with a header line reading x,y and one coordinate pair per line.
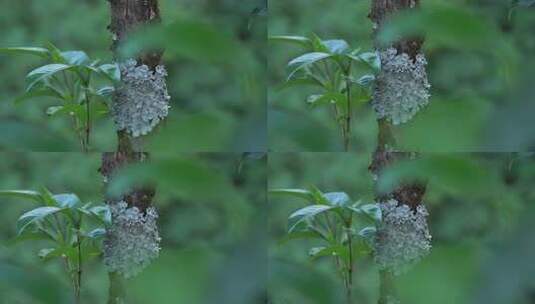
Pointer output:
x,y
345,229
345,76
68,76
74,229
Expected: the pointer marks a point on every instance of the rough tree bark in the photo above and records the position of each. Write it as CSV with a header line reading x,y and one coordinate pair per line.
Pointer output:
x,y
385,153
127,15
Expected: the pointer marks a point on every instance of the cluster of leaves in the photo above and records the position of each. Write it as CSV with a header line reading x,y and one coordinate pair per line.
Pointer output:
x,y
75,229
346,228
67,77
343,74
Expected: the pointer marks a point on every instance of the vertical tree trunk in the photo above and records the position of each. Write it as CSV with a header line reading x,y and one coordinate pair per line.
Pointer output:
x,y
127,15
385,154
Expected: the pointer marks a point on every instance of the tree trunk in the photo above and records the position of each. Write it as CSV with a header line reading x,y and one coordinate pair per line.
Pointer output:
x,y
385,154
127,15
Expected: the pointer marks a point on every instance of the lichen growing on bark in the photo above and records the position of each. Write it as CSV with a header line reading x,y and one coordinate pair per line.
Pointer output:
x,y
402,238
401,88
141,101
132,241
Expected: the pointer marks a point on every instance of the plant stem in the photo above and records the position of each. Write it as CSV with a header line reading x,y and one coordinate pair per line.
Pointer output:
x,y
350,266
348,116
88,122
79,270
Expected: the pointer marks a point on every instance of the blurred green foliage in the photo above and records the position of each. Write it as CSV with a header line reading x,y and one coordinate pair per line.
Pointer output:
x,y
211,222
480,54
224,97
481,212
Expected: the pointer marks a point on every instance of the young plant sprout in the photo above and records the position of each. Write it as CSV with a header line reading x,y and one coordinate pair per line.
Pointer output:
x,y
69,78
344,228
73,229
344,76
396,235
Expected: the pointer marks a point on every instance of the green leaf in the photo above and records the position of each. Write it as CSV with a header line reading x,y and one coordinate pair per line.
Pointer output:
x,y
105,91
306,213
53,110
300,40
41,92
371,59
337,198
96,233
337,250
35,215
75,57
372,211
299,193
103,213
48,253
368,233
37,51
336,46
44,72
327,99
23,194
67,200
365,81
110,71
305,60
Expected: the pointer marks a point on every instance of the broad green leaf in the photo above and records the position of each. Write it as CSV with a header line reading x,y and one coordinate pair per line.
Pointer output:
x,y
41,92
336,46
371,59
365,81
111,71
41,52
308,58
103,213
300,40
337,198
299,193
105,91
23,194
67,200
44,72
306,213
96,233
372,211
304,60
75,57
368,233
35,215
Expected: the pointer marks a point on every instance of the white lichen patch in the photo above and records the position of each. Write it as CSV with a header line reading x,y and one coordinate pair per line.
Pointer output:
x,y
401,88
402,238
141,101
132,241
